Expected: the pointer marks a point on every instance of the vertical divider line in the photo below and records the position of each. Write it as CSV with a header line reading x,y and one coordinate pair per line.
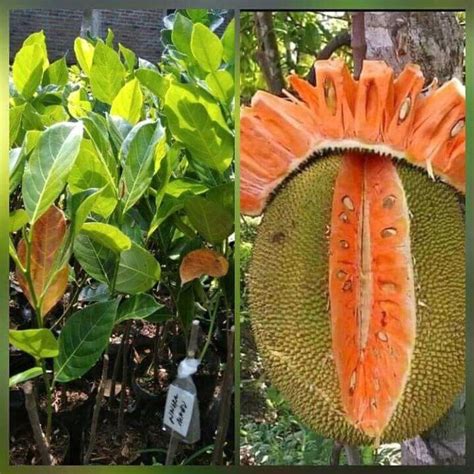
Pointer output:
x,y
237,238
4,255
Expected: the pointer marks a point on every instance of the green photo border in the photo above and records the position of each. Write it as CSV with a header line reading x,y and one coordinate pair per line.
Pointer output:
x,y
235,5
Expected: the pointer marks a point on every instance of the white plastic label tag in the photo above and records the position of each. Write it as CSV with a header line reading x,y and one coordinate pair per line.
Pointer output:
x,y
179,409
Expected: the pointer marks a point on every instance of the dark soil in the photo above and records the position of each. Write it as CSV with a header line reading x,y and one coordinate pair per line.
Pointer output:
x,y
23,447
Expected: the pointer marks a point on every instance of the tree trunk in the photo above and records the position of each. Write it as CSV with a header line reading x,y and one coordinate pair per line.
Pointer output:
x,y
435,41
91,23
267,54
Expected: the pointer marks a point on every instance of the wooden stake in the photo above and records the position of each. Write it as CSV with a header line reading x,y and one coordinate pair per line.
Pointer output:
x,y
191,352
121,415
225,405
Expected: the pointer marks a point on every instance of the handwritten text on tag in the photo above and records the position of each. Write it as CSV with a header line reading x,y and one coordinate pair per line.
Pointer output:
x,y
178,409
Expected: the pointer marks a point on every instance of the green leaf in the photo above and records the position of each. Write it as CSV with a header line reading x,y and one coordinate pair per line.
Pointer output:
x,y
18,219
209,218
109,40
198,123
179,186
138,154
80,206
25,376
198,14
96,260
52,114
15,115
49,166
118,128
223,195
228,43
168,207
78,104
32,120
39,343
107,73
89,171
137,307
206,47
16,165
138,271
221,83
107,235
154,81
57,73
83,339
129,102
129,56
39,39
28,70
181,34
84,52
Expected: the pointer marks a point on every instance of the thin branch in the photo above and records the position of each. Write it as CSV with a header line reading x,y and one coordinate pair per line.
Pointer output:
x,y
353,455
343,38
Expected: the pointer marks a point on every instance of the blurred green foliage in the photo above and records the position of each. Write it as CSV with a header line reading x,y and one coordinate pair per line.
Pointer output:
x,y
300,36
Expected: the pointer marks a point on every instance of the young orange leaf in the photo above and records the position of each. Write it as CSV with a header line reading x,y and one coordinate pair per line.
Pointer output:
x,y
47,236
202,262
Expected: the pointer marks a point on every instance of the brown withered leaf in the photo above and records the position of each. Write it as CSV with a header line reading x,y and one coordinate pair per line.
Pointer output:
x,y
202,262
47,236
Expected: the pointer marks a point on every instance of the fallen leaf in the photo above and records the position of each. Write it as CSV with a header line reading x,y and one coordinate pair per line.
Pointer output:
x,y
47,236
202,262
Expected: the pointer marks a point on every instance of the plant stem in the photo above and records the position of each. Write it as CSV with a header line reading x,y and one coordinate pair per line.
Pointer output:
x,y
38,434
120,423
211,327
49,394
95,415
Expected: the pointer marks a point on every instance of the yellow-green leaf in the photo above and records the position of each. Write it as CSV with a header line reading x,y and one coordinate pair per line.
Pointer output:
x,y
129,102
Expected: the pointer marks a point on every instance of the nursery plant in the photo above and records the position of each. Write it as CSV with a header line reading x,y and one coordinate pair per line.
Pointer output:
x,y
121,177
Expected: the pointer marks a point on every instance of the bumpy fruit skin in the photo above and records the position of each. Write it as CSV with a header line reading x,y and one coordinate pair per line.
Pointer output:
x,y
288,288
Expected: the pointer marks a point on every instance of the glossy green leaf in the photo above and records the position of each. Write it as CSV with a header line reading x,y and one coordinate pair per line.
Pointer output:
x,y
129,56
15,115
154,81
221,83
181,34
107,235
96,260
52,114
18,219
206,47
49,166
39,39
129,102
118,128
39,343
109,39
138,154
138,271
31,119
198,14
137,307
228,43
198,123
78,104
84,52
28,70
57,73
80,205
107,73
83,339
184,185
25,376
224,195
168,207
209,218
16,165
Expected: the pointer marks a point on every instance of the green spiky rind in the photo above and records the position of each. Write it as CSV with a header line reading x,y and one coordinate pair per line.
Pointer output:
x,y
288,296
